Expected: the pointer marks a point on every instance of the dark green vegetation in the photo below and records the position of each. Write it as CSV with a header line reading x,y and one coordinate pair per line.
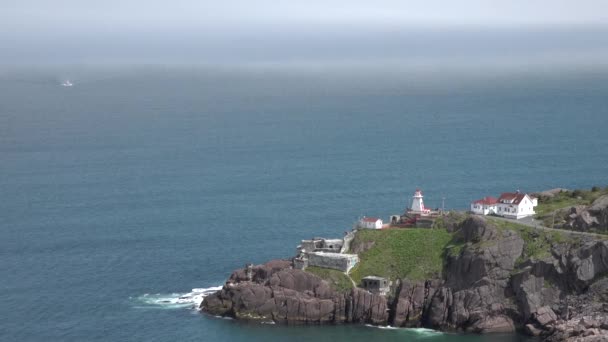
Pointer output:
x,y
547,205
338,280
414,253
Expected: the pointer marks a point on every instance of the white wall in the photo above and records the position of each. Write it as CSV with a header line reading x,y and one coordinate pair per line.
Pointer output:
x,y
371,225
482,209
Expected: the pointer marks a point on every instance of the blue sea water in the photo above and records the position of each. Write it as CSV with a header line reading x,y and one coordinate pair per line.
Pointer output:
x,y
133,186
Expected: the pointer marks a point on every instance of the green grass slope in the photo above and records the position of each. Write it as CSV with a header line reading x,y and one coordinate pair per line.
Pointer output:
x,y
400,253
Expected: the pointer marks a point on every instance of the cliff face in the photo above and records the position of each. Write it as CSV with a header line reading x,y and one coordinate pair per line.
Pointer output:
x,y
489,284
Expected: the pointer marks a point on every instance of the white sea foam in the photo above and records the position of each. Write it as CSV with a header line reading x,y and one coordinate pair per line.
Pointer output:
x,y
426,332
268,322
191,299
418,331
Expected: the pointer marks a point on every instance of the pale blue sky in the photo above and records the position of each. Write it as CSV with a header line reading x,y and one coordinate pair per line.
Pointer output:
x,y
80,31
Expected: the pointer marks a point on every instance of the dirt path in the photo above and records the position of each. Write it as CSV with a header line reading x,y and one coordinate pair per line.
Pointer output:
x,y
351,280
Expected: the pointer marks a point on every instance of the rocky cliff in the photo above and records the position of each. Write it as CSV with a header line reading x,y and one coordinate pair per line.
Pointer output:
x,y
586,218
495,279
587,212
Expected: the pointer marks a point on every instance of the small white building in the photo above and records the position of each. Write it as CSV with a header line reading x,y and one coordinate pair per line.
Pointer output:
x,y
485,206
513,205
370,223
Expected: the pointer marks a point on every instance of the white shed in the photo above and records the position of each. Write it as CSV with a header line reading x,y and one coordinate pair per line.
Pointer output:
x,y
370,223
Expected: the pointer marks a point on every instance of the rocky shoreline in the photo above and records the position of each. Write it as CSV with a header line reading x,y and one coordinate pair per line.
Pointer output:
x,y
489,284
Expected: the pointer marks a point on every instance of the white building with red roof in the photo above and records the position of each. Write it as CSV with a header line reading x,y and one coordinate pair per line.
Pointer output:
x,y
485,206
513,205
370,223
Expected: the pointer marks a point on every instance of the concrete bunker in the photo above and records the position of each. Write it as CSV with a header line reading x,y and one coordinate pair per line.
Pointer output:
x,y
376,285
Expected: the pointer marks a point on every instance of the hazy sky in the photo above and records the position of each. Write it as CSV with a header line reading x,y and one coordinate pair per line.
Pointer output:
x,y
81,31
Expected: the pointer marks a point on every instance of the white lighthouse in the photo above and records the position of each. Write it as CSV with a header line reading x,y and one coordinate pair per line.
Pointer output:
x,y
418,204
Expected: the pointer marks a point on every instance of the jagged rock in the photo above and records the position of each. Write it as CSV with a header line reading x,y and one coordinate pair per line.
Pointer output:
x,y
584,221
436,315
284,294
532,330
599,209
494,260
473,294
277,292
548,193
301,281
453,221
497,324
579,329
589,262
409,304
545,316
599,204
584,218
261,273
527,288
476,228
589,322
369,308
577,210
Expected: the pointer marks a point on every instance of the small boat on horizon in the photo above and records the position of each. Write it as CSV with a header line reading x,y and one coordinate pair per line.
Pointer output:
x,y
67,83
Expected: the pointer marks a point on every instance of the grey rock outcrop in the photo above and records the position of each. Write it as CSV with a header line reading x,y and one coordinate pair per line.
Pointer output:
x,y
585,218
410,303
280,293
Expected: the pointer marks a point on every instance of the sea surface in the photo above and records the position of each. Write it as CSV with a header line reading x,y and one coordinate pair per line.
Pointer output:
x,y
126,191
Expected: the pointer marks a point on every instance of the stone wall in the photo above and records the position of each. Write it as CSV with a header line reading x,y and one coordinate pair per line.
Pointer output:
x,y
309,245
321,244
332,245
340,262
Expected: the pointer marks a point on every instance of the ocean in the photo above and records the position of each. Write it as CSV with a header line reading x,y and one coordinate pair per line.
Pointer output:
x,y
129,189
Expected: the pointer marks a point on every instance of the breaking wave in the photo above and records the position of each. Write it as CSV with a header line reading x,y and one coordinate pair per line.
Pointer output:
x,y
420,332
425,331
191,299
